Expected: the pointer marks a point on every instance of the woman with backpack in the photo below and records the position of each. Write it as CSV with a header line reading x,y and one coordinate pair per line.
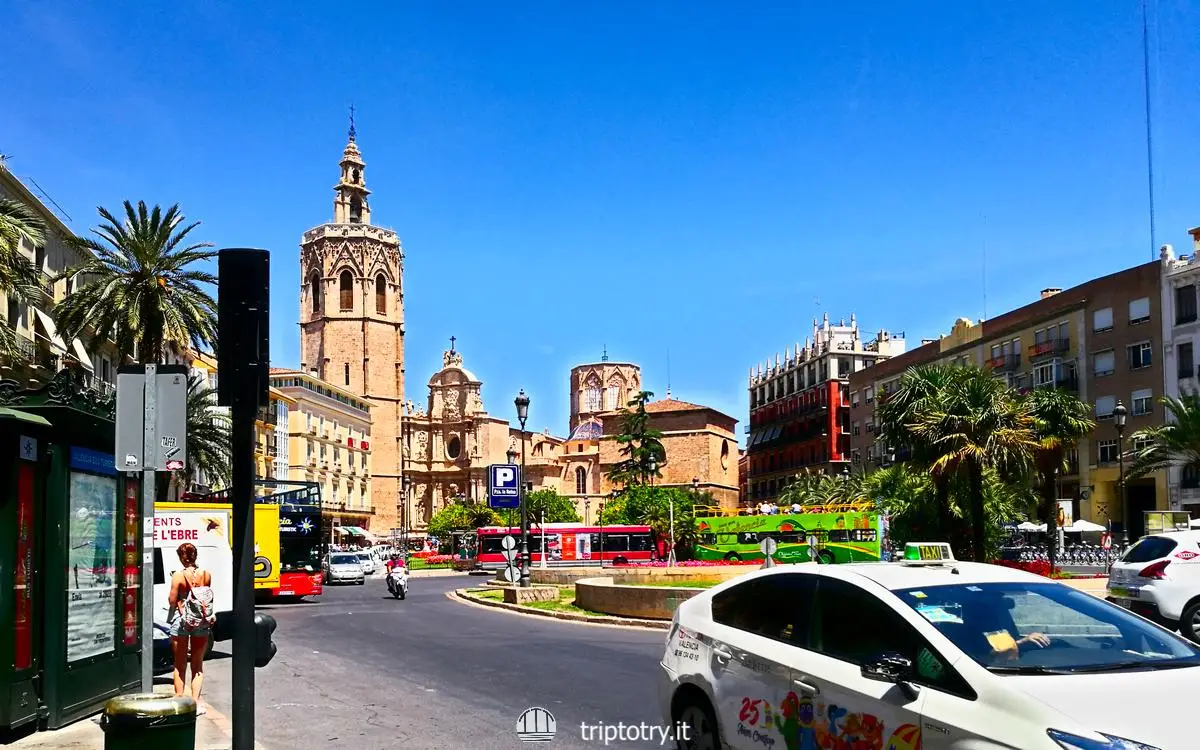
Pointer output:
x,y
191,619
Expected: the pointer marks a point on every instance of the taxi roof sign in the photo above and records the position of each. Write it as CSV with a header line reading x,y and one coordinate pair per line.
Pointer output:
x,y
927,553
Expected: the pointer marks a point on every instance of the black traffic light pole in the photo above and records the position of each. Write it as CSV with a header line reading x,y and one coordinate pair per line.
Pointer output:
x,y
243,362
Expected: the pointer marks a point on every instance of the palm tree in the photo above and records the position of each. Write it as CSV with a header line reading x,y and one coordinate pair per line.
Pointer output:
x,y
18,277
208,446
977,425
138,283
919,392
1175,443
1060,421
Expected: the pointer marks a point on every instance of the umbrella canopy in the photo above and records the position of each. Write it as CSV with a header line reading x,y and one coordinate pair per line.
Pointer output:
x,y
1031,526
1082,525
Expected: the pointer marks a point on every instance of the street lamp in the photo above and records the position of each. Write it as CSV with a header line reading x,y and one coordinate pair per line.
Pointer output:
x,y
407,481
1119,415
512,459
522,404
845,473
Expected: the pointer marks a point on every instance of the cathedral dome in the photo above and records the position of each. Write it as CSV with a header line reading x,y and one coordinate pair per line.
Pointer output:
x,y
589,430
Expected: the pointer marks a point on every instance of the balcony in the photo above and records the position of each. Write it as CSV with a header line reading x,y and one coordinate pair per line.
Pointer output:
x,y
1005,362
1051,347
26,349
1065,382
267,415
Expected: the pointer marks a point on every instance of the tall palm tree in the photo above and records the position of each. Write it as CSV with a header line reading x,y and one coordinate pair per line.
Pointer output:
x,y
919,392
209,449
1174,443
977,426
139,282
19,278
1060,421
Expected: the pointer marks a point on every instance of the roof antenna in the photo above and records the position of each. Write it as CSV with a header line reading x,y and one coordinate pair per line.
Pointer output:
x,y
668,373
353,132
604,356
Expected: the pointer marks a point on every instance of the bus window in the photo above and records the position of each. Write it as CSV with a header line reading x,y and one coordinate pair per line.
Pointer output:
x,y
790,537
839,535
640,543
863,535
491,544
709,538
748,537
616,543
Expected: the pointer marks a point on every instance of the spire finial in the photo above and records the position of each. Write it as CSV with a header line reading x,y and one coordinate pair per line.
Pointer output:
x,y
452,340
604,356
353,132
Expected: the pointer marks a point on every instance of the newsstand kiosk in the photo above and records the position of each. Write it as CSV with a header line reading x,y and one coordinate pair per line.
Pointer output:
x,y
70,546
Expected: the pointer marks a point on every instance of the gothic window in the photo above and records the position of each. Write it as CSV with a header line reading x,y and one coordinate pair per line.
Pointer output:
x,y
315,291
612,396
355,210
346,288
380,294
591,395
580,481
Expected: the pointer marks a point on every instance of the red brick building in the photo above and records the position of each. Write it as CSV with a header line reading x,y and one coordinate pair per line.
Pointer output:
x,y
800,406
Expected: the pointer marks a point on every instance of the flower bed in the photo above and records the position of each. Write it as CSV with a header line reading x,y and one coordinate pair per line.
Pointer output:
x,y
1042,568
687,564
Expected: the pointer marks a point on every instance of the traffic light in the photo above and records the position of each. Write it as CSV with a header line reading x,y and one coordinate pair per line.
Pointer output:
x,y
264,645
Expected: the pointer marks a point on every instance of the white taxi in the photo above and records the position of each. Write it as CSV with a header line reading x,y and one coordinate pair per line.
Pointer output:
x,y
924,653
1159,578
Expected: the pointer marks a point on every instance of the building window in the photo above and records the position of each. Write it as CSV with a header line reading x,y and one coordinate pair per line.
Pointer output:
x,y
1105,406
355,210
854,429
1191,477
314,283
580,481
1108,451
592,397
1187,363
346,372
1140,444
1102,320
1105,363
346,290
1185,304
853,398
453,448
1043,375
380,294
1143,402
1139,355
1139,310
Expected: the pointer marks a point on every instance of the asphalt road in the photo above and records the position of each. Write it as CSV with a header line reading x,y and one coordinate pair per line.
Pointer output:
x,y
359,669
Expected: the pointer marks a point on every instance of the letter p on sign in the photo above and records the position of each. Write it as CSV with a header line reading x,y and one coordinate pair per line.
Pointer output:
x,y
505,476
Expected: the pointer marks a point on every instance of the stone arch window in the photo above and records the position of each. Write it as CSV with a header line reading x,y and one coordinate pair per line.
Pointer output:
x,y
380,294
355,210
354,176
725,455
613,395
580,481
346,290
314,283
591,394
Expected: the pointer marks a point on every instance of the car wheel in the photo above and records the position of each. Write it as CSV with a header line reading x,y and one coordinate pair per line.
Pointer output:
x,y
733,557
1189,622
695,712
825,557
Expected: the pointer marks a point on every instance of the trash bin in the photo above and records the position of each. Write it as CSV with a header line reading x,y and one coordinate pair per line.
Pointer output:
x,y
142,720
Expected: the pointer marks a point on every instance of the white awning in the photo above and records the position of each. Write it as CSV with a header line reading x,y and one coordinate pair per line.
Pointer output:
x,y
51,329
82,355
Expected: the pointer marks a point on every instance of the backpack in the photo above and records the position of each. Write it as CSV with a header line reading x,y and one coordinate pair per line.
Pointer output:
x,y
197,611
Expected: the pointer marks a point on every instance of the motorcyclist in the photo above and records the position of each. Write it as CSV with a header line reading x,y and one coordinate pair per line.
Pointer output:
x,y
396,562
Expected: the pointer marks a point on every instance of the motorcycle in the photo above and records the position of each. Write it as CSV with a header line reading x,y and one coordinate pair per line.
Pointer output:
x,y
397,582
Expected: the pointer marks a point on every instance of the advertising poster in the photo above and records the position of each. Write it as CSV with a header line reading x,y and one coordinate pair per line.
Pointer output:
x,y
583,546
209,529
568,547
91,566
266,546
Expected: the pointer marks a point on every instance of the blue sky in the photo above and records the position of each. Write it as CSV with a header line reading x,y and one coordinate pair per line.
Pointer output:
x,y
686,180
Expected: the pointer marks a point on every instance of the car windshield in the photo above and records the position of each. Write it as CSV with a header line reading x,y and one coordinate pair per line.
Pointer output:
x,y
343,560
1046,628
364,557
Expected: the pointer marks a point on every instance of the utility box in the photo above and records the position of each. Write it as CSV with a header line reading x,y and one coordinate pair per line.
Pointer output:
x,y
78,522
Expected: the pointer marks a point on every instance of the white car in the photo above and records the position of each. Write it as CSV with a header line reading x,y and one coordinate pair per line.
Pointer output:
x,y
367,562
344,567
911,655
1159,578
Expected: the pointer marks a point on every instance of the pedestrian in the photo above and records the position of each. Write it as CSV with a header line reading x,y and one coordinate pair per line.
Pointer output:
x,y
191,618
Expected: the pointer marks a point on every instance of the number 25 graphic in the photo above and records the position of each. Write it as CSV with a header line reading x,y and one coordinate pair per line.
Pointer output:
x,y
749,712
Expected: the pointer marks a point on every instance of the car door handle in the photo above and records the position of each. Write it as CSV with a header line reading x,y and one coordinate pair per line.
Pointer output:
x,y
721,653
806,688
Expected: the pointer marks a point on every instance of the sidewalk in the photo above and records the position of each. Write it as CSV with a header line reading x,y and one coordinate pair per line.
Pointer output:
x,y
213,730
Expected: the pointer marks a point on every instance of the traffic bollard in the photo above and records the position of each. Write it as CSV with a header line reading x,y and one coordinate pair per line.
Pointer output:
x,y
141,720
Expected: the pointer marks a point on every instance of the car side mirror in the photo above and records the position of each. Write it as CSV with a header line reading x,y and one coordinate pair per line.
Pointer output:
x,y
888,667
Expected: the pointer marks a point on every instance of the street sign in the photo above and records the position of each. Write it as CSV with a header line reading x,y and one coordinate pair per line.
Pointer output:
x,y
1106,540
512,570
168,452
508,543
768,546
504,486
812,547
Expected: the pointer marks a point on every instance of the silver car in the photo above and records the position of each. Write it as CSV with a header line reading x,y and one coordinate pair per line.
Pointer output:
x,y
344,567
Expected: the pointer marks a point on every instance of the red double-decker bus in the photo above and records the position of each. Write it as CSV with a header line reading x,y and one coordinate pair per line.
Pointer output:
x,y
569,544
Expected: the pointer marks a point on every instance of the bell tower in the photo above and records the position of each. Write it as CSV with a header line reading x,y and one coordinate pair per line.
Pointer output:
x,y
352,323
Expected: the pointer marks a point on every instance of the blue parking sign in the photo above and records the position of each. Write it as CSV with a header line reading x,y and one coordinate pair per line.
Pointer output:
x,y
504,486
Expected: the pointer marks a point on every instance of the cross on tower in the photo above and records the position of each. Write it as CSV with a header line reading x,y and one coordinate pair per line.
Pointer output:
x,y
352,131
452,340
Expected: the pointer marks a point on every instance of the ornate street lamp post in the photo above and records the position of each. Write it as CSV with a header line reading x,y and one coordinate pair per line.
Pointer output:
x,y
512,460
1120,413
522,404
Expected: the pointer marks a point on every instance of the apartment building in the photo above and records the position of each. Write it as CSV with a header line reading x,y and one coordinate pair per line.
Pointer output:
x,y
1101,339
1181,337
329,442
800,406
43,350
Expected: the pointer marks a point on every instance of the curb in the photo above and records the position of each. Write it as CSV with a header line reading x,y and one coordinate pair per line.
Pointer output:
x,y
621,622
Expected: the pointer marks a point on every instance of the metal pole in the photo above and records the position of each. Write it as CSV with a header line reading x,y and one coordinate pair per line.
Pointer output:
x,y
671,555
149,425
1121,485
241,494
524,518
543,566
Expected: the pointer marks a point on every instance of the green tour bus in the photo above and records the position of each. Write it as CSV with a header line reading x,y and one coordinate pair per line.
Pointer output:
x,y
837,533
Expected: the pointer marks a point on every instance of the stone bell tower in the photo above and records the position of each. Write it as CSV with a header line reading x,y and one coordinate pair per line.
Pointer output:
x,y
352,322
